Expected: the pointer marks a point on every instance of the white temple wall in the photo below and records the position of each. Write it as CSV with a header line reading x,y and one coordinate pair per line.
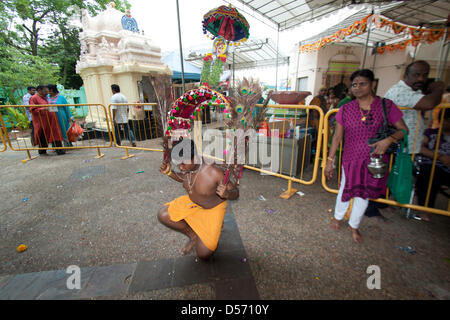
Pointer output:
x,y
389,67
115,53
306,69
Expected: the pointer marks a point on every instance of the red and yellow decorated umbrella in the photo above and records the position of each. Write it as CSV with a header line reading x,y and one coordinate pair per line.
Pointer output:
x,y
226,22
227,27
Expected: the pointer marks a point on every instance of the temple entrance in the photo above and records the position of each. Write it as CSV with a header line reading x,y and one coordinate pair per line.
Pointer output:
x,y
149,124
340,68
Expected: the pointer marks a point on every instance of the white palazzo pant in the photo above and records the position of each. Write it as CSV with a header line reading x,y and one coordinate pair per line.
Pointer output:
x,y
358,208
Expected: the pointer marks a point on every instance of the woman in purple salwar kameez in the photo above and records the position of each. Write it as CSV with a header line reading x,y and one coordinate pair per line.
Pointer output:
x,y
356,122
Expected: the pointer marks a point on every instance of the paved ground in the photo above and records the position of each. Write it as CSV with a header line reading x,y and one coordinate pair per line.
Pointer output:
x,y
100,214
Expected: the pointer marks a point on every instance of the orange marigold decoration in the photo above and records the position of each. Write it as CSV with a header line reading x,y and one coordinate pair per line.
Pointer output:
x,y
434,35
417,34
397,28
22,248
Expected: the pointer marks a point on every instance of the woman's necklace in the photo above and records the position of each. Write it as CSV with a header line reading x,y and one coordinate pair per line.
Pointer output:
x,y
53,99
364,115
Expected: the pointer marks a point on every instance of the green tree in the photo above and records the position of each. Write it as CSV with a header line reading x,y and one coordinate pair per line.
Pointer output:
x,y
42,28
33,15
19,70
64,40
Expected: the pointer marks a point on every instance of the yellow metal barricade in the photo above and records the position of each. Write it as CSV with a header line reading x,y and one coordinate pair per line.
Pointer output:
x,y
294,153
444,108
94,120
386,199
2,137
143,126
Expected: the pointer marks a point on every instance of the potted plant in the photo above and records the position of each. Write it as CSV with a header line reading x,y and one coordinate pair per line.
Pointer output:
x,y
19,122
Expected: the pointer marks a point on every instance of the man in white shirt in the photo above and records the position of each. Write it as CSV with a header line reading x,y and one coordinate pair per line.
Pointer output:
x,y
26,102
120,115
411,92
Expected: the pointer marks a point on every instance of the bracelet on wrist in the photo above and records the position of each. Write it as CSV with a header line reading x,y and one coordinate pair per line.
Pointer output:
x,y
329,158
170,172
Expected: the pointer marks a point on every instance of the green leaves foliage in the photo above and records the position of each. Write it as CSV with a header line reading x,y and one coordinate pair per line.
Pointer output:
x,y
19,70
18,118
43,29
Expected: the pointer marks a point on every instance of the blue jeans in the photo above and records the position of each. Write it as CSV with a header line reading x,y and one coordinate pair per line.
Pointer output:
x,y
128,132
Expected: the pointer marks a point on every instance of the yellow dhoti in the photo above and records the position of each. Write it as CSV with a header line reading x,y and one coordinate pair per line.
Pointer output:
x,y
206,223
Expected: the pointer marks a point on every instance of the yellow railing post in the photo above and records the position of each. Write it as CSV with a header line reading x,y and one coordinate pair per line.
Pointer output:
x,y
29,157
289,192
99,154
2,139
128,155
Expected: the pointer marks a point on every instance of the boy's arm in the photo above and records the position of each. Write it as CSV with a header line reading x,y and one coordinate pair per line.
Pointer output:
x,y
233,192
227,191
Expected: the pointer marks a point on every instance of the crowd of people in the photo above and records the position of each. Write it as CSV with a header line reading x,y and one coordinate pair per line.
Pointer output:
x,y
51,127
47,126
359,117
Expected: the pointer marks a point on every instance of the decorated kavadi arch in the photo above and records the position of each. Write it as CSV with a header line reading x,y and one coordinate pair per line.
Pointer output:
x,y
189,105
227,27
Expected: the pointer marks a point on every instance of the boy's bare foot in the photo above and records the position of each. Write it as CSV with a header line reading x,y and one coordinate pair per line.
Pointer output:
x,y
335,224
189,246
356,235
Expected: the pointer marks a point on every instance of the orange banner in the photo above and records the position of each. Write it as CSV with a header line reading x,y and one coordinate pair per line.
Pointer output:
x,y
417,34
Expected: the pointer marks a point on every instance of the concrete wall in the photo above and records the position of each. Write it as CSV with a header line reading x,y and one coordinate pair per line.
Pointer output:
x,y
307,67
389,68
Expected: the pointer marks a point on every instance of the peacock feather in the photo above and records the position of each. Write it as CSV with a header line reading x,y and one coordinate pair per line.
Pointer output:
x,y
243,111
243,116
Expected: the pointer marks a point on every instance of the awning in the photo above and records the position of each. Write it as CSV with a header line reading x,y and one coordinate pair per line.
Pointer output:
x,y
287,14
382,31
191,72
254,53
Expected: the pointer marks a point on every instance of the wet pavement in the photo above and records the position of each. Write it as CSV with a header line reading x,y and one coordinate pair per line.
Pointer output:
x,y
100,215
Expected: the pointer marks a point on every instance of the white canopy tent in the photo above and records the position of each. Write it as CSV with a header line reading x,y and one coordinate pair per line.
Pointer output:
x,y
254,53
288,14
